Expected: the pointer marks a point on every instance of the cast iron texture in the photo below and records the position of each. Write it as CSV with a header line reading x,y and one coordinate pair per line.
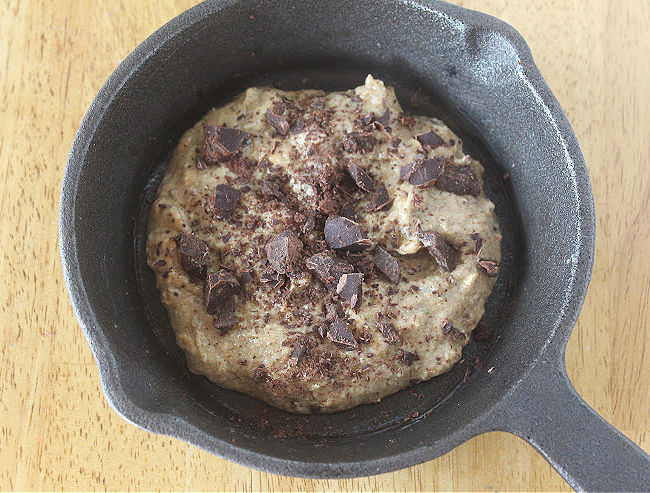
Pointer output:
x,y
481,77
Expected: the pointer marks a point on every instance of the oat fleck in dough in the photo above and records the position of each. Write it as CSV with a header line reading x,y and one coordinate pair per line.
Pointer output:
x,y
320,251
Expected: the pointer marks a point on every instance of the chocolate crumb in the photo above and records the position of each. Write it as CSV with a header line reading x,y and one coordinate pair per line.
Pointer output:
x,y
341,232
224,201
349,288
340,335
159,263
219,288
389,333
194,254
279,122
440,249
429,139
490,267
388,265
460,180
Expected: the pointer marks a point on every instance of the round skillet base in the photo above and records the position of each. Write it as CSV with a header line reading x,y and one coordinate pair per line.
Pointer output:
x,y
253,417
481,75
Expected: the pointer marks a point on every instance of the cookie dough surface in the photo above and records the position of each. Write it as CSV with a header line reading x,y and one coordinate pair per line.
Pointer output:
x,y
285,339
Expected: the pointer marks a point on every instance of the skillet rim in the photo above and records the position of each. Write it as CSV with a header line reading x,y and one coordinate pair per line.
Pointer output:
x,y
175,426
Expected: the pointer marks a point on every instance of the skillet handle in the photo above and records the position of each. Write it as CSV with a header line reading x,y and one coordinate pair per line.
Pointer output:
x,y
588,452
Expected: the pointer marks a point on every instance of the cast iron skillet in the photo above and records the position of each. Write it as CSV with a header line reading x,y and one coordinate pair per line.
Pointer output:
x,y
471,69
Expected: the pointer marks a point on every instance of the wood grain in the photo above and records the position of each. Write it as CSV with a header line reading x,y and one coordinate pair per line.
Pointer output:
x,y
56,429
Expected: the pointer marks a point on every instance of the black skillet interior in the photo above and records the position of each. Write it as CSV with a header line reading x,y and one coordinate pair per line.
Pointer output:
x,y
254,418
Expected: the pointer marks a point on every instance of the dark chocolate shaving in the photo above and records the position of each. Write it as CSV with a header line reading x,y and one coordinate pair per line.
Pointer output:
x,y
349,288
390,334
271,188
340,335
360,177
384,120
388,265
279,122
328,269
460,180
490,267
380,199
219,289
273,279
200,163
194,254
423,173
408,358
440,249
341,232
221,142
224,201
429,139
283,252
358,141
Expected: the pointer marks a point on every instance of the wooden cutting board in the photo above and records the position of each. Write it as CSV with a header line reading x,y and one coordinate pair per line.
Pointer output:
x,y
56,429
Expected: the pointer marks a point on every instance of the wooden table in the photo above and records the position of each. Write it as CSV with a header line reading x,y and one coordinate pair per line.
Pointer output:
x,y
56,429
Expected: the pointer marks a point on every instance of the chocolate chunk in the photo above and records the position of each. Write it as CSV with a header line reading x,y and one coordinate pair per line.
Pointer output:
x,y
478,242
194,255
407,121
283,252
340,335
460,180
271,188
390,334
273,279
297,126
349,288
380,199
219,289
159,263
221,142
481,332
279,122
224,315
341,232
388,265
429,139
224,201
449,328
423,173
440,249
328,269
348,211
358,141
298,351
408,358
490,267
246,277
315,221
362,264
200,163
360,177
384,120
